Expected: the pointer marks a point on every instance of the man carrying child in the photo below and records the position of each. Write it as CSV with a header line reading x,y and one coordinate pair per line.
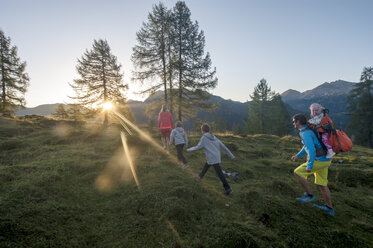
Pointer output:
x,y
316,165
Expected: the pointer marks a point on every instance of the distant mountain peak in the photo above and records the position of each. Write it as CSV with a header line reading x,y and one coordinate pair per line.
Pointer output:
x,y
335,88
290,94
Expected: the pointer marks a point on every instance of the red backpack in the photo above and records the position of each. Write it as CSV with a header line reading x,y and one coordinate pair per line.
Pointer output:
x,y
338,139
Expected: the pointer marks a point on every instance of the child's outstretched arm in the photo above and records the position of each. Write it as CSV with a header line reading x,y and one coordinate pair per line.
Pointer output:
x,y
197,147
226,150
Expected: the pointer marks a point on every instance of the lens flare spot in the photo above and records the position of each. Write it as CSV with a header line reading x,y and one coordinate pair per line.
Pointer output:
x,y
107,106
104,183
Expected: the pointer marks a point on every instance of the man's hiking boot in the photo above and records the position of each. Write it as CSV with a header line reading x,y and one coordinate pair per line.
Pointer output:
x,y
228,191
326,209
197,177
307,198
186,165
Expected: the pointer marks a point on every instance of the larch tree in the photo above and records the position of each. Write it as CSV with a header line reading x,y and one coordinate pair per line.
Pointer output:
x,y
14,80
192,67
151,56
100,79
360,107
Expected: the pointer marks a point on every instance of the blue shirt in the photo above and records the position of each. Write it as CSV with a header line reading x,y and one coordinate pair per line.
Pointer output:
x,y
310,143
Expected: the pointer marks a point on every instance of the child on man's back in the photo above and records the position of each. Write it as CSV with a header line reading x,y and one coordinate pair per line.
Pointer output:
x,y
317,115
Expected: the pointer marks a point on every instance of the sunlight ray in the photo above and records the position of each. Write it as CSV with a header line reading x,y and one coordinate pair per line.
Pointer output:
x,y
128,157
125,127
205,184
144,135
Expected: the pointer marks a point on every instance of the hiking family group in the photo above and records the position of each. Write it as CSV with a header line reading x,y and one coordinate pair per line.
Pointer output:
x,y
320,142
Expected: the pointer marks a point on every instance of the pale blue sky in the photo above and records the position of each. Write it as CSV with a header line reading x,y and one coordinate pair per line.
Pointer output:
x,y
294,44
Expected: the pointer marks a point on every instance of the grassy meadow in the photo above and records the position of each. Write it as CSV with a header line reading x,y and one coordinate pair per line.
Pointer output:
x,y
69,185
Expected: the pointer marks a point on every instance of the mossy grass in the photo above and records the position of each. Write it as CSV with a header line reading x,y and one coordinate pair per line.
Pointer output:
x,y
68,185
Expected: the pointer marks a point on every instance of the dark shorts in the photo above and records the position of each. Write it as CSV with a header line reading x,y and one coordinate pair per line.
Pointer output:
x,y
165,132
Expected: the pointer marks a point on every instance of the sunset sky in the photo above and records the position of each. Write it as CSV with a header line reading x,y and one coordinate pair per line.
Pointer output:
x,y
294,44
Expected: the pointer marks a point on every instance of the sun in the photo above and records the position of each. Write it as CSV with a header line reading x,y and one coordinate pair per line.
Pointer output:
x,y
107,105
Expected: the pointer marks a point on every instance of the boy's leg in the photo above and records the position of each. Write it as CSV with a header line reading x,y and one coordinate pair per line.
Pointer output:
x,y
204,170
183,159
220,174
179,149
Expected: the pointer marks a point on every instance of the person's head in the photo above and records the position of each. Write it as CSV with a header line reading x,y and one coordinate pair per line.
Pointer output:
x,y
316,109
205,128
179,124
164,108
299,121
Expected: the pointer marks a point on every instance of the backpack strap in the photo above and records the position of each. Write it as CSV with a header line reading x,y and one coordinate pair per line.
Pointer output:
x,y
318,136
314,130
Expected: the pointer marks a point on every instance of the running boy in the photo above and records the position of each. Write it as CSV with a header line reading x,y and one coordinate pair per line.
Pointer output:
x,y
181,140
212,145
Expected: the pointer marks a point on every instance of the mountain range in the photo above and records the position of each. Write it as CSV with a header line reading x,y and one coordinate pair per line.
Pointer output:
x,y
331,95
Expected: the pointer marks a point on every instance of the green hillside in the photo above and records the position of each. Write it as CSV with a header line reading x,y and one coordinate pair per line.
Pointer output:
x,y
64,185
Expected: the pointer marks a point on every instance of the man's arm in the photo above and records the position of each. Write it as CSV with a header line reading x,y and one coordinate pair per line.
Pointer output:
x,y
301,153
310,148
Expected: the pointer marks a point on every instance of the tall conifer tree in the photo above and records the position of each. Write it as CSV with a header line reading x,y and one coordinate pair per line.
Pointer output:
x,y
14,80
361,108
100,79
258,108
192,66
152,55
267,112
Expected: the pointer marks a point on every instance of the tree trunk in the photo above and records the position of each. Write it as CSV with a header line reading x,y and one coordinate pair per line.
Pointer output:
x,y
180,76
3,95
170,78
180,99
164,75
180,92
165,90
105,93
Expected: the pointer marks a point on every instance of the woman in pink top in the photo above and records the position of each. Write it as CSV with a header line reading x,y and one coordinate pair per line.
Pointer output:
x,y
165,125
